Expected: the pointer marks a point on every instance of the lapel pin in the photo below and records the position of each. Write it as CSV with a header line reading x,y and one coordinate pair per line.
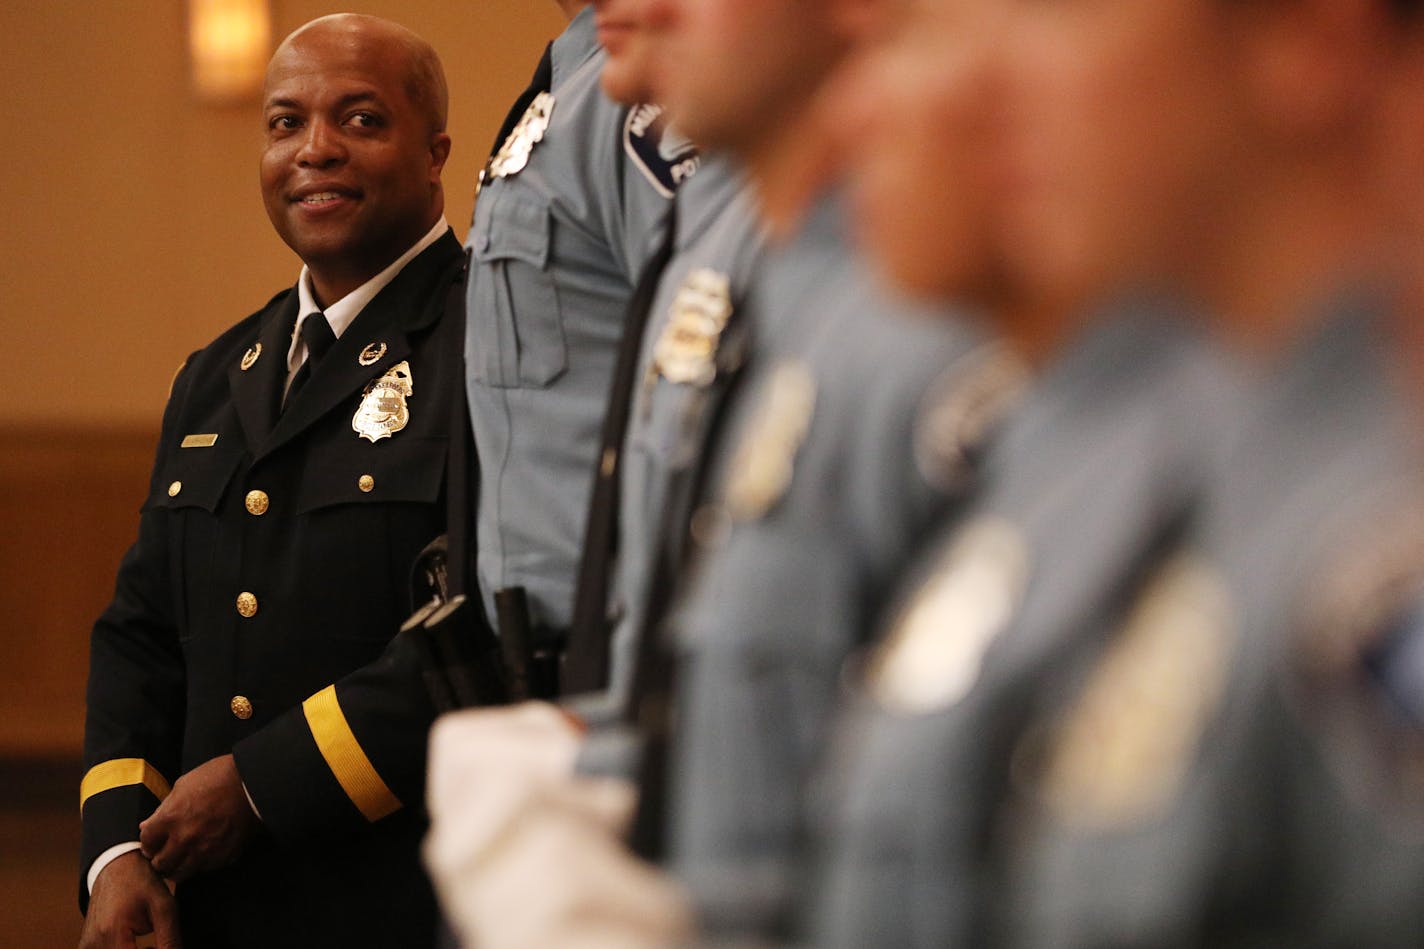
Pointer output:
x,y
250,357
371,354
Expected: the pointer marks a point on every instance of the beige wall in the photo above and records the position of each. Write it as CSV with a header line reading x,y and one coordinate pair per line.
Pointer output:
x,y
133,231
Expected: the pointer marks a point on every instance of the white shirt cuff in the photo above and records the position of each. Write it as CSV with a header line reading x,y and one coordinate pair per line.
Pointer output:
x,y
108,857
250,802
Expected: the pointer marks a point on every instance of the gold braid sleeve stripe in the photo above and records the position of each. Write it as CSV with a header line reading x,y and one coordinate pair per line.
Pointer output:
x,y
121,773
343,754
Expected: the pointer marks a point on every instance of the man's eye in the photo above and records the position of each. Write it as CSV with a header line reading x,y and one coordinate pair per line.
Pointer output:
x,y
283,123
364,120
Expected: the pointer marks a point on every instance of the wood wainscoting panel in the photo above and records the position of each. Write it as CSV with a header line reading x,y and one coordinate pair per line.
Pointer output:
x,y
69,502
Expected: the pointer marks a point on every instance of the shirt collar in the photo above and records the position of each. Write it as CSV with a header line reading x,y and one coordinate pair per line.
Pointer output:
x,y
343,312
574,46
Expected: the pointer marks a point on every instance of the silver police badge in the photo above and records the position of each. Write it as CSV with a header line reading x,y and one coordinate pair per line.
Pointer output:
x,y
1121,753
686,352
765,459
383,411
935,651
513,155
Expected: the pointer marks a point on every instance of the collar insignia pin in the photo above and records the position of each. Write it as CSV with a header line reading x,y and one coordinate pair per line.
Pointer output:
x,y
250,357
371,354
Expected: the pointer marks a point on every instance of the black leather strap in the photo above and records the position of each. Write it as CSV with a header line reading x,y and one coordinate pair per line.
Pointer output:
x,y
586,660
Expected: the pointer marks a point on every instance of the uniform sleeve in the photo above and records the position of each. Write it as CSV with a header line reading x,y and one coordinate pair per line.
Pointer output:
x,y
351,754
135,697
892,499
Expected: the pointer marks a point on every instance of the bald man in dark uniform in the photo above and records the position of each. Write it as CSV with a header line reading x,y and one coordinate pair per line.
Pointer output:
x,y
255,737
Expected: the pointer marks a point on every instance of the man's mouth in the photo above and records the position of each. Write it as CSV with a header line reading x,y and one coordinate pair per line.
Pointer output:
x,y
321,199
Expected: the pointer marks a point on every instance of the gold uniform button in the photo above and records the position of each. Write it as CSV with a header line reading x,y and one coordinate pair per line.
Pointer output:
x,y
174,488
247,604
241,707
366,483
257,503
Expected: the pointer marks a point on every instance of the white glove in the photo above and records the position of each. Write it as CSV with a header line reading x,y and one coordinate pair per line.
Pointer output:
x,y
559,877
483,765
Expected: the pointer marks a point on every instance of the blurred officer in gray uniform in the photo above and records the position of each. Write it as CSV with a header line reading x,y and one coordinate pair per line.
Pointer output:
x,y
695,342
825,492
683,344
684,348
858,424
1094,473
1241,763
570,207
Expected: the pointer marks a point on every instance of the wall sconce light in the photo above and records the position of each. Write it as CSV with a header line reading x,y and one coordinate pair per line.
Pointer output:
x,y
229,42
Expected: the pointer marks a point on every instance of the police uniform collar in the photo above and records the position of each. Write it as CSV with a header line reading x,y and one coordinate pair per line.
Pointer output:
x,y
824,224
705,196
340,313
1347,340
412,301
1125,345
574,46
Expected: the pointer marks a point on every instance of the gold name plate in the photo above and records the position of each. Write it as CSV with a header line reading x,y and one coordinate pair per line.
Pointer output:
x,y
199,441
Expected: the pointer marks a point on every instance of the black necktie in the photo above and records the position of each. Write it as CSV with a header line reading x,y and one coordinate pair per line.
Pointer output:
x,y
317,334
542,81
586,661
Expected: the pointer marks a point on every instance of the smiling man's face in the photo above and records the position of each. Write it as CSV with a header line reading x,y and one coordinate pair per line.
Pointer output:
x,y
351,163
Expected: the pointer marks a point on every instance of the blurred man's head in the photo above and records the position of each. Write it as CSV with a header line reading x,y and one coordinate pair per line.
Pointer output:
x,y
355,110
637,50
1178,141
743,68
915,117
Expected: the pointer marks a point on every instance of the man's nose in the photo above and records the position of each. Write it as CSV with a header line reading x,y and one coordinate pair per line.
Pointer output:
x,y
321,146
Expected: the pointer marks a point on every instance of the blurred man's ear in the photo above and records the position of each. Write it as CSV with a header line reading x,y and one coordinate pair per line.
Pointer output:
x,y
860,21
1311,67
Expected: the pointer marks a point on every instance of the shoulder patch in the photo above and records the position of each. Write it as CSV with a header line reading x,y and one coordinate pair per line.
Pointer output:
x,y
664,157
1359,652
765,457
961,411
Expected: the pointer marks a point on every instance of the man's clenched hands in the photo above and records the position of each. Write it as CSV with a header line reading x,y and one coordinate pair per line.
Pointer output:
x,y
202,825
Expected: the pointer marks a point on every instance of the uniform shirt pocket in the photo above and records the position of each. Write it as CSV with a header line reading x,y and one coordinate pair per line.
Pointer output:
x,y
516,328
363,513
194,478
409,471
669,422
193,483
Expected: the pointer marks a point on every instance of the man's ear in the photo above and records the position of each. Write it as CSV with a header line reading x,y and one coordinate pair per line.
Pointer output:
x,y
439,154
1311,66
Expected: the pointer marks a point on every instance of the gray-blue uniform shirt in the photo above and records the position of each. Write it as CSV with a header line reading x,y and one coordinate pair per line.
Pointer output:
x,y
1256,783
556,249
818,496
700,295
1090,477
